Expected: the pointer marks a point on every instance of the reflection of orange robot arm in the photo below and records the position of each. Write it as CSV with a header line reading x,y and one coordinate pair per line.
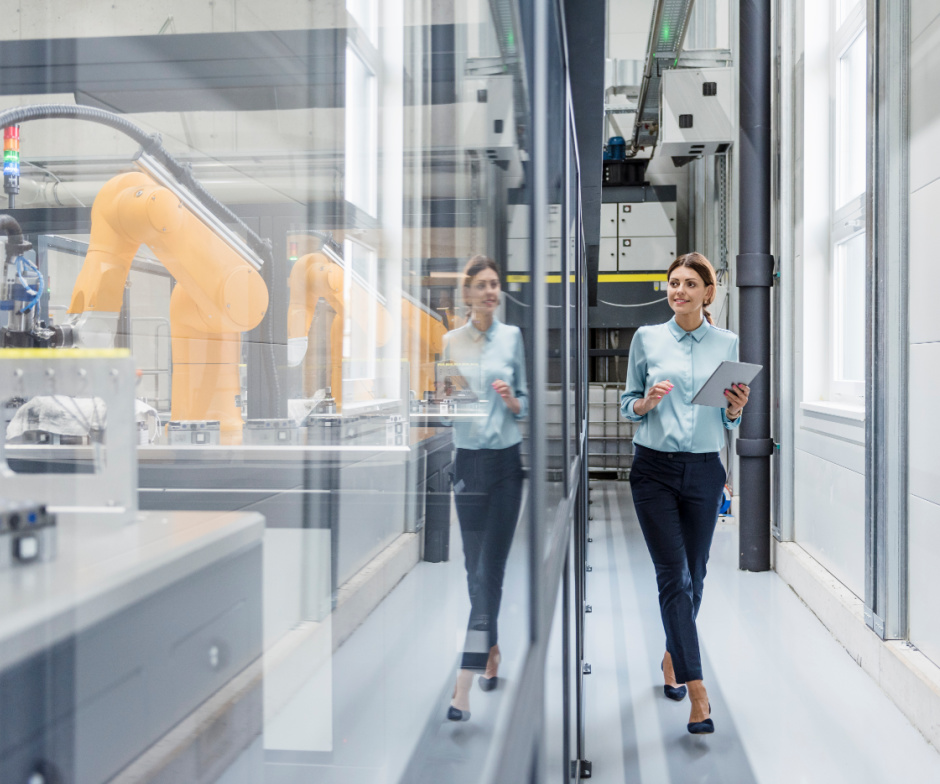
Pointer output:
x,y
219,294
422,343
316,287
316,291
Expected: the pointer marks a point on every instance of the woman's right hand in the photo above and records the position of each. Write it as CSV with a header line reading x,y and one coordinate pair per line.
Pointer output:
x,y
656,393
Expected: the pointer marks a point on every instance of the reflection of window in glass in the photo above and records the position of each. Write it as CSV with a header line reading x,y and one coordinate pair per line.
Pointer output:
x,y
363,11
844,8
360,322
852,111
850,307
361,139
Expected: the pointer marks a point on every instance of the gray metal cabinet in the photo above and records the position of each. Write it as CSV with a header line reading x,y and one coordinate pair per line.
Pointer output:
x,y
85,708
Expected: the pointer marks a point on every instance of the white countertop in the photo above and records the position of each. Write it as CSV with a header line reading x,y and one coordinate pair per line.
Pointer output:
x,y
102,567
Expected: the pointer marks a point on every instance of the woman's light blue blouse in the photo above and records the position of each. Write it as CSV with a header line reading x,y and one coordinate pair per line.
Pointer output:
x,y
666,352
483,358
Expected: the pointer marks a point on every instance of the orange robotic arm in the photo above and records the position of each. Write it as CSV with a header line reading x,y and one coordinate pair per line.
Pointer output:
x,y
219,294
316,287
316,291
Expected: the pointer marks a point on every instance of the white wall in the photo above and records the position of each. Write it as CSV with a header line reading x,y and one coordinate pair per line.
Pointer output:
x,y
628,28
924,424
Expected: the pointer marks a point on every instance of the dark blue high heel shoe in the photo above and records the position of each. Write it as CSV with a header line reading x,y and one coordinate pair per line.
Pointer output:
x,y
455,714
676,693
702,727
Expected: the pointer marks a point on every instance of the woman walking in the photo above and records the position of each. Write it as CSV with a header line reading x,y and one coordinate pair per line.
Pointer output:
x,y
677,477
488,356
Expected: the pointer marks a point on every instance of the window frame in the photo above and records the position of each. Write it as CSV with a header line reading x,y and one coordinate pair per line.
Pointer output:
x,y
360,45
848,219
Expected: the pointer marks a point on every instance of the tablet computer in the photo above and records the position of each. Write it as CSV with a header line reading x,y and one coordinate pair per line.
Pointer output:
x,y
727,373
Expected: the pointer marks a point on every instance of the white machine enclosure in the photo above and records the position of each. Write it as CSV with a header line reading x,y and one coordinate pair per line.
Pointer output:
x,y
109,376
698,111
637,236
487,121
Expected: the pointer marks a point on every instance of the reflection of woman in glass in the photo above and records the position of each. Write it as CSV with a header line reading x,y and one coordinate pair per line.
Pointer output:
x,y
677,477
489,359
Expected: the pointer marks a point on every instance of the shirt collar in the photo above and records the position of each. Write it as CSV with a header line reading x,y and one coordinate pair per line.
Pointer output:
x,y
697,334
476,334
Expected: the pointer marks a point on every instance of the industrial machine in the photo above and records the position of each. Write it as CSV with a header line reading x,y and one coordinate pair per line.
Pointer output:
x,y
317,310
220,294
698,112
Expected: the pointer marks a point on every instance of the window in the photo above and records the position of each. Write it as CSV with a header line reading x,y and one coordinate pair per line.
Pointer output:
x,y
363,11
847,234
361,139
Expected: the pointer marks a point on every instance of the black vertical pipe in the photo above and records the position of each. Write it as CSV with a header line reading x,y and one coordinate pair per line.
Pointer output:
x,y
754,278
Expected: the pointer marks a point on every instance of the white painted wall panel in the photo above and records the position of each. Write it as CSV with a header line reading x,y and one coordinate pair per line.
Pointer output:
x,y
924,440
924,523
924,241
829,510
925,108
923,12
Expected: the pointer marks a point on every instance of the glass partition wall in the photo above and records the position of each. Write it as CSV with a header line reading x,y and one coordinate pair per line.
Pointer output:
x,y
285,494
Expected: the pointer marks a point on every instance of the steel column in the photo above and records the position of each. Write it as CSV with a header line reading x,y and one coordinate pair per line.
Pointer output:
x,y
886,374
754,278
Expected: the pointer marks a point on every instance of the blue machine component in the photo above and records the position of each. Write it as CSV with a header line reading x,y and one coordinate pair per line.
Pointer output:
x,y
616,149
725,507
32,283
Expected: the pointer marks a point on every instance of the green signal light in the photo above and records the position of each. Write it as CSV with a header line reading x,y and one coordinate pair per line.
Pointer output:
x,y
665,32
511,37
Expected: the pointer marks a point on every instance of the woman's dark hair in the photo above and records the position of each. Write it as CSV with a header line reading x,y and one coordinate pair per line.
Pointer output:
x,y
475,266
704,269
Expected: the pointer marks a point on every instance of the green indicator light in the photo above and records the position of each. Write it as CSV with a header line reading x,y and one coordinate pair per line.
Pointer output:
x,y
11,155
666,32
511,38
292,258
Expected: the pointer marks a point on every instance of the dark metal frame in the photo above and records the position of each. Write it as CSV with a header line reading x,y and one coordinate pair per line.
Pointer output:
x,y
755,275
519,756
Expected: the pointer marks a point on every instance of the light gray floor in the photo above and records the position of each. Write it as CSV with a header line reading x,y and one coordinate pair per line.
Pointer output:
x,y
789,704
391,684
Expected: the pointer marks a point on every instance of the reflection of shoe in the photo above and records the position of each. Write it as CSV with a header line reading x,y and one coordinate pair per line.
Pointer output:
x,y
455,714
676,693
488,684
462,687
489,680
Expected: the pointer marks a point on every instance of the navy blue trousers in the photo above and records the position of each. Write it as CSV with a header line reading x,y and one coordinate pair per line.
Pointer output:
x,y
677,496
487,494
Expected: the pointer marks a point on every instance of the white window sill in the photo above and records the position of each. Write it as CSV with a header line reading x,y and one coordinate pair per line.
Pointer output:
x,y
844,411
841,421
